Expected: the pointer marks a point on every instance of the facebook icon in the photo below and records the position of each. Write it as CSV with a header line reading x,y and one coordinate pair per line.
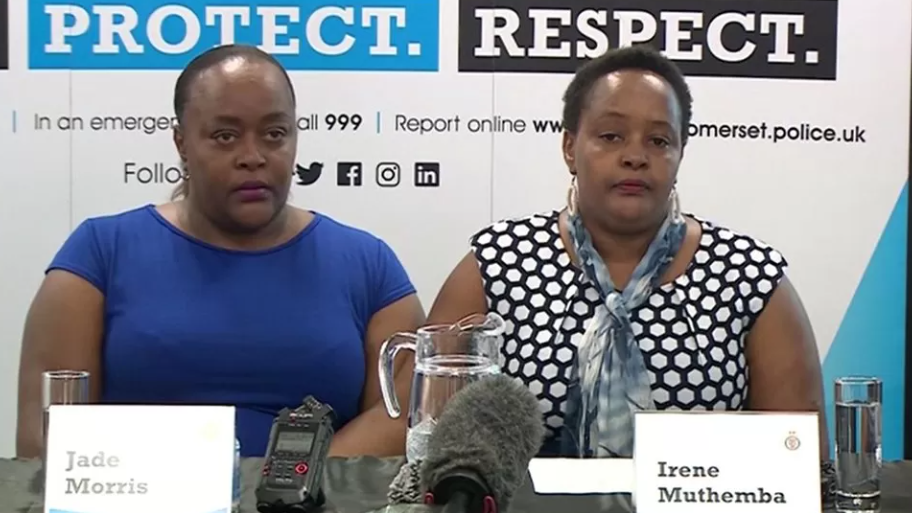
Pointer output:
x,y
348,174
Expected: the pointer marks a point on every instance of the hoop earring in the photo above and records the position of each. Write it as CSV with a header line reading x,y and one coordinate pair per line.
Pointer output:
x,y
573,197
674,203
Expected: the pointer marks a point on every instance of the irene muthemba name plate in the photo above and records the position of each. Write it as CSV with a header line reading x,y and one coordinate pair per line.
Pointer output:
x,y
142,459
727,462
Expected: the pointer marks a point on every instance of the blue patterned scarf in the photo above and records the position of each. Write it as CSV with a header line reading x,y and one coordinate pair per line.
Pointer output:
x,y
610,371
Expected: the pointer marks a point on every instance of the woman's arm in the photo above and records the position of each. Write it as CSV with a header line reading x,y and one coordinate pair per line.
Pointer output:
x,y
373,432
63,330
462,294
784,362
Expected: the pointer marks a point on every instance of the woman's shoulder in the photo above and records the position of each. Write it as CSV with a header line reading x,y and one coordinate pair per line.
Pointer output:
x,y
113,220
342,233
370,265
91,249
727,256
107,229
715,234
539,228
734,268
354,246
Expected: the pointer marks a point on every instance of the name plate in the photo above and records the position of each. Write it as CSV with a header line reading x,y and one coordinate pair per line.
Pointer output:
x,y
142,459
700,462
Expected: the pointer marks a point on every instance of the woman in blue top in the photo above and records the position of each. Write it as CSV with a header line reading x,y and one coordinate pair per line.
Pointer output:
x,y
227,295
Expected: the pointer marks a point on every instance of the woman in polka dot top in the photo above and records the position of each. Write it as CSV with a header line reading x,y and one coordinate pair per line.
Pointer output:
x,y
670,311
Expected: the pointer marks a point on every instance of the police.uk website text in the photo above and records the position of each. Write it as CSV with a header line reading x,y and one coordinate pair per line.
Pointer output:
x,y
801,132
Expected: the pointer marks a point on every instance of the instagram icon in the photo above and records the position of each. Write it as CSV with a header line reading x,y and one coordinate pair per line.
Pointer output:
x,y
388,174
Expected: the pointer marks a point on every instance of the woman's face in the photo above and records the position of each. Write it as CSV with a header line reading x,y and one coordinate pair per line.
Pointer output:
x,y
626,150
238,141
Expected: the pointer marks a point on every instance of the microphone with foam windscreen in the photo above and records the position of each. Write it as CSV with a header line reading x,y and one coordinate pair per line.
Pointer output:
x,y
479,452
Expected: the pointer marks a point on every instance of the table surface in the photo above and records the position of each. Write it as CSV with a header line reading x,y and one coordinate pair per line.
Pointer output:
x,y
359,485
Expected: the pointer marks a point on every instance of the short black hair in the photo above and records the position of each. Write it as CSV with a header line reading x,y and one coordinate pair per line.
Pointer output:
x,y
214,57
641,57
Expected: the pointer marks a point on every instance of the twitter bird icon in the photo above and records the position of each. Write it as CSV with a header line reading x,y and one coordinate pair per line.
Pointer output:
x,y
310,174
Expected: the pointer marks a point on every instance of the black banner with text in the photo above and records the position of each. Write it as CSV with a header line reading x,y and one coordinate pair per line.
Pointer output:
x,y
789,39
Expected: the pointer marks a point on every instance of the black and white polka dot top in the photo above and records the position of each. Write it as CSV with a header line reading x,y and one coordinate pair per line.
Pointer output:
x,y
692,331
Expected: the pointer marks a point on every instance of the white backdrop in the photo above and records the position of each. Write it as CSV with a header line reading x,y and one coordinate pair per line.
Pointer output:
x,y
825,205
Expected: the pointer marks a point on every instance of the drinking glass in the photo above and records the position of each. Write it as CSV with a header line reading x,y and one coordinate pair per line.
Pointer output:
x,y
62,387
858,444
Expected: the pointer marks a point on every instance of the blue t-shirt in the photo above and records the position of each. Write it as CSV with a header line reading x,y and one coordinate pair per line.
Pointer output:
x,y
190,323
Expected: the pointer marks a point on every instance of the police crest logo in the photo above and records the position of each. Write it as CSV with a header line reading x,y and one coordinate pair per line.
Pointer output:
x,y
4,34
792,442
788,39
